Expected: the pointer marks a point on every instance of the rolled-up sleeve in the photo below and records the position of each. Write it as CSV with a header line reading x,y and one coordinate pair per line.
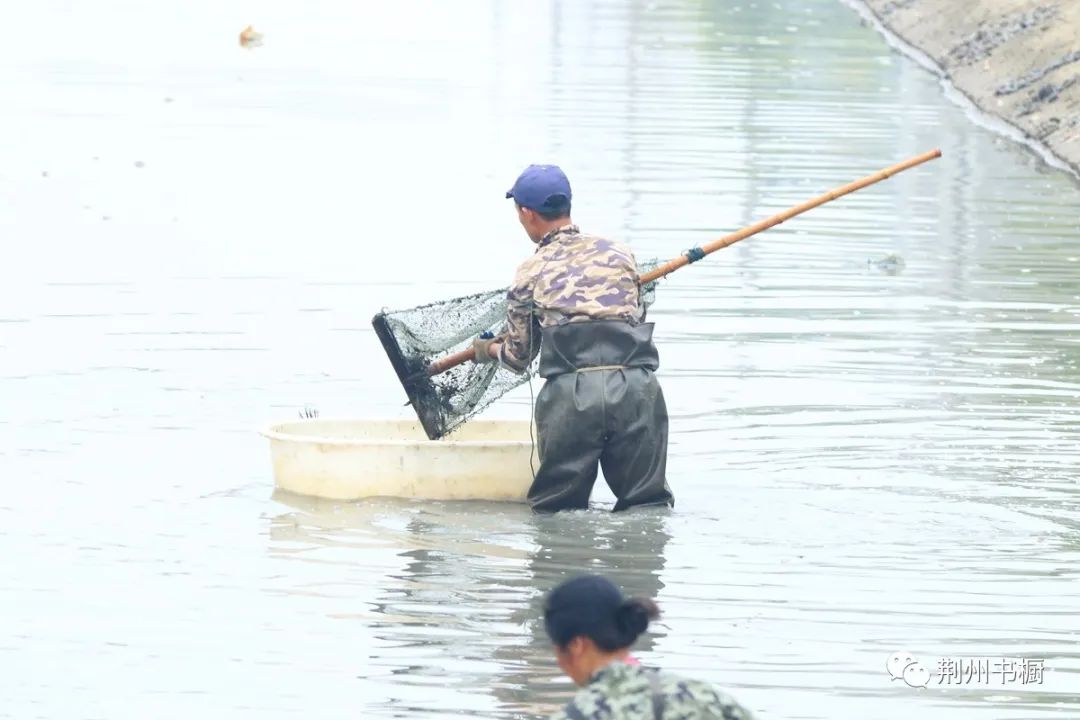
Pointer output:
x,y
522,340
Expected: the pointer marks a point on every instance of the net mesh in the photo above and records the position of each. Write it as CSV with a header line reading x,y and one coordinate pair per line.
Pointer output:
x,y
414,337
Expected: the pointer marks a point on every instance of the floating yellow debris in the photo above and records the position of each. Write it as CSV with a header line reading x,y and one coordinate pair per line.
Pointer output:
x,y
249,38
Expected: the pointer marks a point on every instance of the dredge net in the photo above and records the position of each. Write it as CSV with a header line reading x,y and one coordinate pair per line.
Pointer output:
x,y
414,337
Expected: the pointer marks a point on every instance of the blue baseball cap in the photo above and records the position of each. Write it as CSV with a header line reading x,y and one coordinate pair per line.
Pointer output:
x,y
542,187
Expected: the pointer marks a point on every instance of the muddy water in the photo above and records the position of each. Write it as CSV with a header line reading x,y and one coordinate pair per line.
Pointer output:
x,y
866,458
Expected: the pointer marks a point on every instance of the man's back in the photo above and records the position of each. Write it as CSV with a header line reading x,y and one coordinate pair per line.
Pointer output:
x,y
576,302
575,276
624,692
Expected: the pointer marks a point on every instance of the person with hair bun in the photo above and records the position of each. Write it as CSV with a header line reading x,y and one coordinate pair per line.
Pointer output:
x,y
593,626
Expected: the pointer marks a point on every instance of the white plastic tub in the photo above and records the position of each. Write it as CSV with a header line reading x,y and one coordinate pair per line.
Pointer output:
x,y
353,459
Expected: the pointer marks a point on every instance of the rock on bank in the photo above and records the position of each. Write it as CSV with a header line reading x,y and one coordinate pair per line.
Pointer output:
x,y
1017,59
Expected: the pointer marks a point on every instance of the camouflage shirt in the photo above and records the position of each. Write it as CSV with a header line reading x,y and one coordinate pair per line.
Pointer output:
x,y
571,277
631,692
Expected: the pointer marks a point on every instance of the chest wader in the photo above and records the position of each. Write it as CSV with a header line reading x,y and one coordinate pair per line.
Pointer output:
x,y
601,403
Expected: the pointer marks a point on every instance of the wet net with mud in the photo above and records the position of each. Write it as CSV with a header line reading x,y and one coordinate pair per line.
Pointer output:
x,y
415,337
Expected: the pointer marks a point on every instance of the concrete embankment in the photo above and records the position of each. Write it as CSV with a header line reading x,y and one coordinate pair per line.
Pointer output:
x,y
1016,59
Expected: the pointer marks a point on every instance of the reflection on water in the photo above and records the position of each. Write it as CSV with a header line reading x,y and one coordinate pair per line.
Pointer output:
x,y
465,605
789,602
865,458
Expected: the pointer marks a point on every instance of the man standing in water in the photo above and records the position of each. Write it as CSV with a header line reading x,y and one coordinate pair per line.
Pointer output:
x,y
576,301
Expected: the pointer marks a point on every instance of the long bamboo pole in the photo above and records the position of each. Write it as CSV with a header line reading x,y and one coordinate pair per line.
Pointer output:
x,y
694,254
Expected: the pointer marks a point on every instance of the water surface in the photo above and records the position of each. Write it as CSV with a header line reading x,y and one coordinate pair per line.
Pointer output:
x,y
197,236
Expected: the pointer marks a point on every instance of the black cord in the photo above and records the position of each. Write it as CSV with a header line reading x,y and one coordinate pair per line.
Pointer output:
x,y
532,440
533,322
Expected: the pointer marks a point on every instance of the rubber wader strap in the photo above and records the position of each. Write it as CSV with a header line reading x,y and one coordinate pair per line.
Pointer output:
x,y
601,367
657,696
